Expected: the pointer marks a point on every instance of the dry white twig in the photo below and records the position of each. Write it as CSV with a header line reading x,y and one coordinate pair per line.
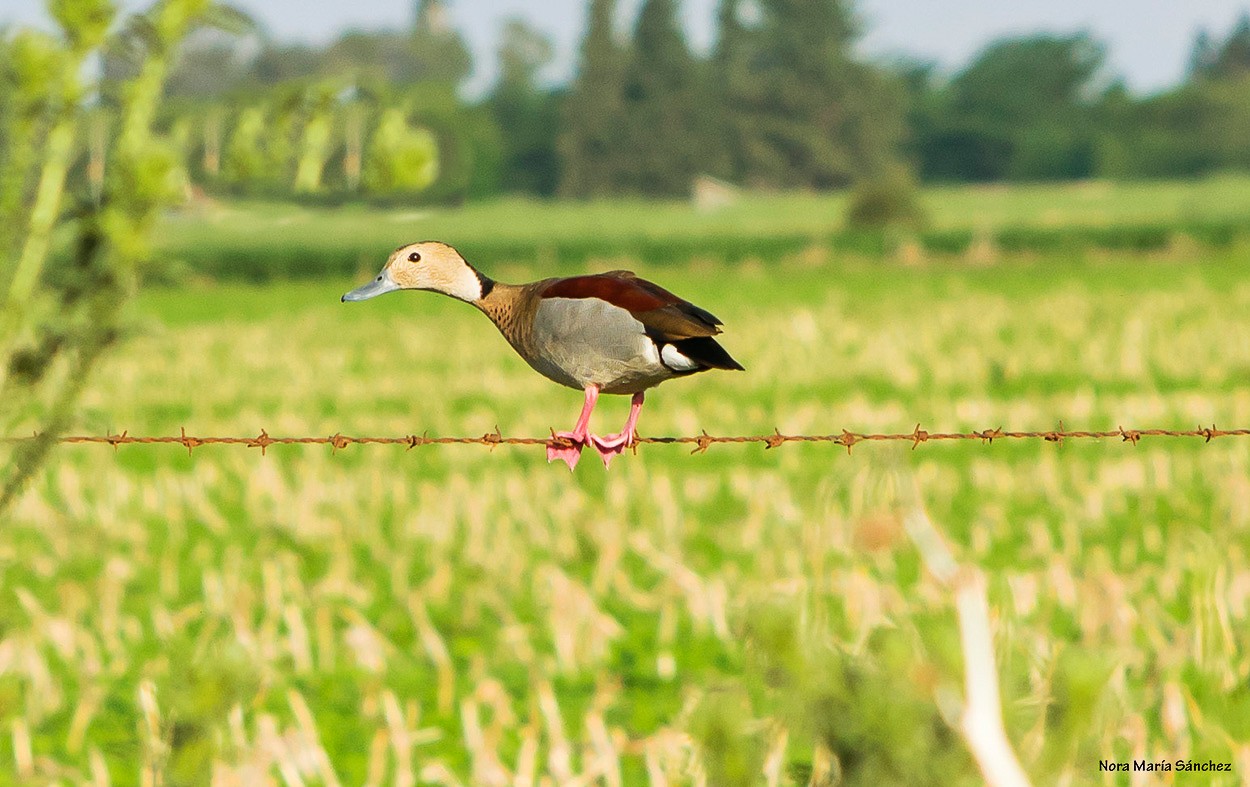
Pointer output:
x,y
981,720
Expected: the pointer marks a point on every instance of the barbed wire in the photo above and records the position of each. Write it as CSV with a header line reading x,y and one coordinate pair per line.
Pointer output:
x,y
701,442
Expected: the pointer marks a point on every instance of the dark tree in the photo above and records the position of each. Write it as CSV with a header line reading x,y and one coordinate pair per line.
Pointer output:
x,y
1196,129
430,52
724,72
1203,55
1024,109
527,116
807,112
662,141
390,57
279,63
208,65
1021,80
592,114
1233,59
440,51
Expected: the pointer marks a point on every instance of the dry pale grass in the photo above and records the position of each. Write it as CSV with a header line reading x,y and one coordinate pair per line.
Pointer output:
x,y
453,616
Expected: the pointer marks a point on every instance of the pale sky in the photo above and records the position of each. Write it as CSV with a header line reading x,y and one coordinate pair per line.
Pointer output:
x,y
1148,40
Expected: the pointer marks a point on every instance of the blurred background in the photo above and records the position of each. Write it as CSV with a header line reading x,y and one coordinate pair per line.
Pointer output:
x,y
965,214
445,102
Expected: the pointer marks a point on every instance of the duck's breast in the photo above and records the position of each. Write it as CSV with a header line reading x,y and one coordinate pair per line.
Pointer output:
x,y
583,341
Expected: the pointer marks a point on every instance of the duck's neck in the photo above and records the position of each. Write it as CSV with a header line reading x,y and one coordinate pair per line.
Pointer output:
x,y
502,303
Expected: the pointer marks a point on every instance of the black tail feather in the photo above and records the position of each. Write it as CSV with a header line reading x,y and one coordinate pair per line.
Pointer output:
x,y
707,352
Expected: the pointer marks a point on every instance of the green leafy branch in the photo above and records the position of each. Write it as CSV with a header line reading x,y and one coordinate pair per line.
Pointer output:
x,y
58,323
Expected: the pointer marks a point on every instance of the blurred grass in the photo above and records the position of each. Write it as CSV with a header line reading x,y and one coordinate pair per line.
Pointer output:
x,y
259,241
454,611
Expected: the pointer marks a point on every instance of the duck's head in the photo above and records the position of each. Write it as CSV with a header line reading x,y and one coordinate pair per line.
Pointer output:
x,y
428,265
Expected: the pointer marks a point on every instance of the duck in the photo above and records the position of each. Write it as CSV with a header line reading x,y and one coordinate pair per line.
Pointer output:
x,y
600,333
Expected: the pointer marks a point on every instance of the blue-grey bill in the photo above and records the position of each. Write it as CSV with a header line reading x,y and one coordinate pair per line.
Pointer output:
x,y
379,286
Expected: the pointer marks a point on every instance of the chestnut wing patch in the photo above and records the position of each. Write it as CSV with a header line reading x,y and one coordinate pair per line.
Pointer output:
x,y
665,316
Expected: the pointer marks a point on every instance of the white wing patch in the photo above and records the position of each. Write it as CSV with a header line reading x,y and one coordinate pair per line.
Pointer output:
x,y
674,360
651,354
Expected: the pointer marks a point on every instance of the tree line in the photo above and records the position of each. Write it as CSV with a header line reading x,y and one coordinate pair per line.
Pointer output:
x,y
783,100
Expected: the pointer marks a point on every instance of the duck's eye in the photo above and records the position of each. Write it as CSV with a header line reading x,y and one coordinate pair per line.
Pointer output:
x,y
414,257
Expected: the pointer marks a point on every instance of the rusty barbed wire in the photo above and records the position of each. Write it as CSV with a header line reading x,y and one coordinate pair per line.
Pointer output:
x,y
701,442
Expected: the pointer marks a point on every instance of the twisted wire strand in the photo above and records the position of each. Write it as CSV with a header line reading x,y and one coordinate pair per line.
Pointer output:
x,y
700,442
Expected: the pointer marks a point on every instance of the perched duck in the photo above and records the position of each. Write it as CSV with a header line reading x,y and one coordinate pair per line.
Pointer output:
x,y
608,333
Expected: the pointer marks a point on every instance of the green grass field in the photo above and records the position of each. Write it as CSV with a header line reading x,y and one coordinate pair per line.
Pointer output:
x,y
261,241
538,222
454,615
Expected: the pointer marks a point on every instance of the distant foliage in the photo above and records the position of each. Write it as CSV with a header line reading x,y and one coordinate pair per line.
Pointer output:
x,y
245,157
525,115
889,200
1198,128
305,113
659,147
315,139
784,102
1043,107
801,108
1195,130
1024,109
1228,59
593,113
401,158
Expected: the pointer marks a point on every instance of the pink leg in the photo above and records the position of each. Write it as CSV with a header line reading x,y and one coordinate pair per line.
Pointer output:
x,y
579,436
610,446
